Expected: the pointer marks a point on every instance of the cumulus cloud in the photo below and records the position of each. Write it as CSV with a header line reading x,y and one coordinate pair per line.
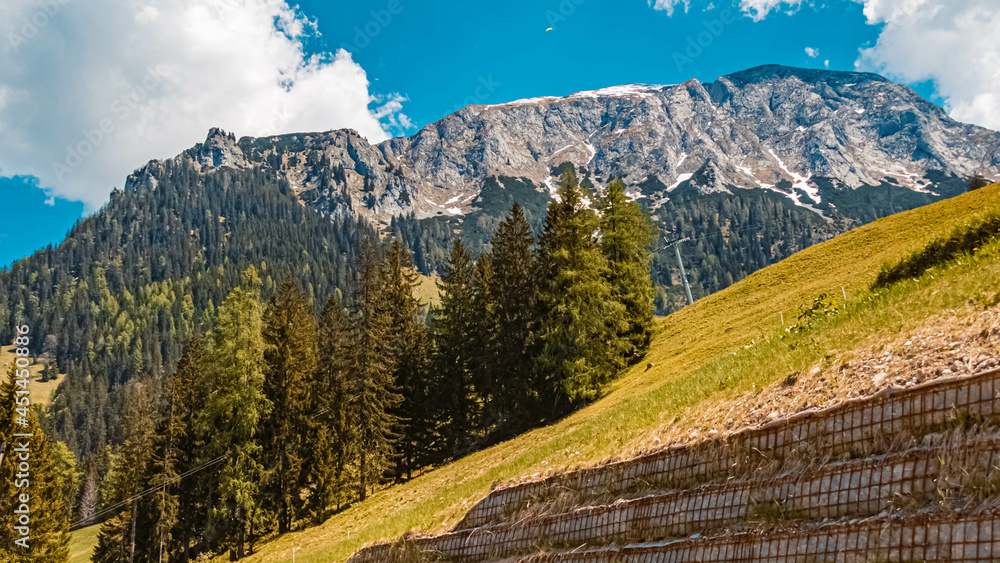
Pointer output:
x,y
812,53
951,42
91,90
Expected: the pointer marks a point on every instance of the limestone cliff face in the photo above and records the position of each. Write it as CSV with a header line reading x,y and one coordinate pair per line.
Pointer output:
x,y
798,132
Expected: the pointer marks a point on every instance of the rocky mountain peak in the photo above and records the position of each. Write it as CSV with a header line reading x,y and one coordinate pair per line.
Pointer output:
x,y
219,149
797,132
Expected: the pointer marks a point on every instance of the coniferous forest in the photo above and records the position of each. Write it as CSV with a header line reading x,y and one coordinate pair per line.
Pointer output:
x,y
232,375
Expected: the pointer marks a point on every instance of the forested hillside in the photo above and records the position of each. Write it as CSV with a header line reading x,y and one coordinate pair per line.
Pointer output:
x,y
217,332
126,289
277,417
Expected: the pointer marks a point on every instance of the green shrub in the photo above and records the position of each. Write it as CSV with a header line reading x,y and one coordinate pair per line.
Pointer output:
x,y
965,239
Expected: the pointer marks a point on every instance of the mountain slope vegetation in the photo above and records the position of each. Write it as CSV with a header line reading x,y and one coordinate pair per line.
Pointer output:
x,y
725,344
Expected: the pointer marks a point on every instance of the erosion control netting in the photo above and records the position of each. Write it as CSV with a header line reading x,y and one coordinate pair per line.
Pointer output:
x,y
778,475
975,539
855,427
952,469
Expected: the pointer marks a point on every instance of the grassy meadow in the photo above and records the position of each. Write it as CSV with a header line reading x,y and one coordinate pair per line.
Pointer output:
x,y
41,393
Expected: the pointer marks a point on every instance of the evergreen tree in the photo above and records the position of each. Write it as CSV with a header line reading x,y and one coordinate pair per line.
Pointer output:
x,y
190,388
514,293
64,463
454,324
46,537
235,407
334,435
412,369
116,540
578,349
175,507
290,340
626,237
375,396
487,375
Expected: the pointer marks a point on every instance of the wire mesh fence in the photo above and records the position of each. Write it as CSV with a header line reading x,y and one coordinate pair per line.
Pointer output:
x,y
855,427
953,539
691,493
857,488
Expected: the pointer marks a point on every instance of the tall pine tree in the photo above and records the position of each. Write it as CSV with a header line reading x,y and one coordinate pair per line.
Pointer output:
x,y
514,293
374,391
117,539
187,390
290,356
626,237
487,375
412,369
577,344
454,324
46,537
334,447
236,406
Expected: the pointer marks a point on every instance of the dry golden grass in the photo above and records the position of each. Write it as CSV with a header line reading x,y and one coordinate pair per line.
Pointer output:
x,y
427,291
41,393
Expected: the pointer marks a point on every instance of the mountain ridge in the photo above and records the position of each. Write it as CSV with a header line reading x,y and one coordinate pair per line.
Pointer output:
x,y
800,133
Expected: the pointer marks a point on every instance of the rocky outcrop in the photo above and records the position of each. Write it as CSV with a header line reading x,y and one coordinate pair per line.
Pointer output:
x,y
798,132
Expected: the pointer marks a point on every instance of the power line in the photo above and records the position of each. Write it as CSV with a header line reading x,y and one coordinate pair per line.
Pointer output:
x,y
91,520
154,488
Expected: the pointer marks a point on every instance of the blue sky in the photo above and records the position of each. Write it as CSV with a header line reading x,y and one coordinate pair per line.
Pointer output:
x,y
436,53
428,58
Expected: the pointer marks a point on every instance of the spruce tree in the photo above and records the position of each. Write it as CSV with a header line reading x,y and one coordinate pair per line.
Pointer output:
x,y
576,340
47,533
290,340
487,374
64,464
117,539
177,508
410,356
626,237
374,391
454,324
235,407
334,435
514,293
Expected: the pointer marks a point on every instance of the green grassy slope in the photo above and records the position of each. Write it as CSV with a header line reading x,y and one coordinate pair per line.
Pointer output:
x,y
694,361
81,544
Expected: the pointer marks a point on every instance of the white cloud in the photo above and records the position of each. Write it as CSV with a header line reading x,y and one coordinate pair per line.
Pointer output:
x,y
669,5
812,53
951,42
155,75
758,9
